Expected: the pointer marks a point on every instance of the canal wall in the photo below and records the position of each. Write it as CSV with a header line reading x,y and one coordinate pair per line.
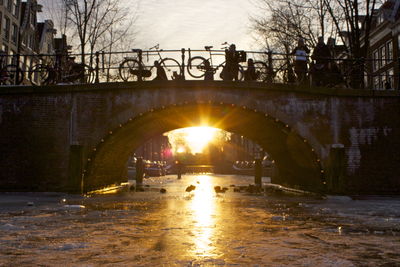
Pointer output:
x,y
50,137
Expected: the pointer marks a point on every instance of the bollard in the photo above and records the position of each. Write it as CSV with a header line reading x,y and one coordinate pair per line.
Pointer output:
x,y
257,172
139,172
178,169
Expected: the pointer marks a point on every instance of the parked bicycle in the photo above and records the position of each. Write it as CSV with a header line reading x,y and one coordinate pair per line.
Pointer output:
x,y
129,68
10,74
197,65
44,74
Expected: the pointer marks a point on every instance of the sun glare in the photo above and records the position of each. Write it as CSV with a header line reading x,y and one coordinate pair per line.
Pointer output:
x,y
194,138
197,138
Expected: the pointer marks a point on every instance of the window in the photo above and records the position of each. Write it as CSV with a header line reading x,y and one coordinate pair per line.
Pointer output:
x,y
14,36
5,49
398,42
375,64
389,52
15,8
382,56
8,4
382,80
390,79
376,82
32,19
381,18
6,28
13,57
31,41
28,63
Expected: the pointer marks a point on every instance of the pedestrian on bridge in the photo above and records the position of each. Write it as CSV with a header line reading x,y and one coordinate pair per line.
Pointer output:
x,y
300,60
321,53
161,75
209,71
231,69
250,73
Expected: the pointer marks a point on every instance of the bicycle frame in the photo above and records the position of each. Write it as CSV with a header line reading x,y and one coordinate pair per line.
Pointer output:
x,y
210,58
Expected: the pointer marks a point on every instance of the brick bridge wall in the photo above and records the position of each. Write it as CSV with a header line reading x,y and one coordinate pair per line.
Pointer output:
x,y
42,130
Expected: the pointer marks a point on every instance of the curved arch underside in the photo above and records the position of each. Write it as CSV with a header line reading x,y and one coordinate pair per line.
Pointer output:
x,y
296,161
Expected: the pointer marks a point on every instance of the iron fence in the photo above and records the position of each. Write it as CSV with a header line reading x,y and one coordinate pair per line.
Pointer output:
x,y
196,64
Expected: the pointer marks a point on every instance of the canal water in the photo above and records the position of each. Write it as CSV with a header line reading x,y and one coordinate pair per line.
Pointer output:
x,y
198,228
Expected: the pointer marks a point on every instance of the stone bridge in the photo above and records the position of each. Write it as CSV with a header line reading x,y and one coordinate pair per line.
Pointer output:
x,y
79,137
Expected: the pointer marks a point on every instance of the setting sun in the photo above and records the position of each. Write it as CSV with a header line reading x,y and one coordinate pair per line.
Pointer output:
x,y
195,139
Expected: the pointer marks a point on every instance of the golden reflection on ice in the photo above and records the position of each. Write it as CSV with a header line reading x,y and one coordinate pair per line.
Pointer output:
x,y
204,208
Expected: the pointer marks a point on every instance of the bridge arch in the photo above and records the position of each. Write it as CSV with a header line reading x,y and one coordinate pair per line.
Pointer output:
x,y
296,160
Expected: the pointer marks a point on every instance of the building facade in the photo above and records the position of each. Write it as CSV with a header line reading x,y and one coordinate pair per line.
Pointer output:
x,y
10,15
384,47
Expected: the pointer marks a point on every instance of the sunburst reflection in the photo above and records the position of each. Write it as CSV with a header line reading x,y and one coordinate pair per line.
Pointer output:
x,y
204,208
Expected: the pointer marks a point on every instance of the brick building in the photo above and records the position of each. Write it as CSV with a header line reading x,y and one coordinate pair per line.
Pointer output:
x,y
10,14
22,34
384,50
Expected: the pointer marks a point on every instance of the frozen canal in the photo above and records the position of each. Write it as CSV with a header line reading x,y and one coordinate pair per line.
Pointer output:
x,y
199,228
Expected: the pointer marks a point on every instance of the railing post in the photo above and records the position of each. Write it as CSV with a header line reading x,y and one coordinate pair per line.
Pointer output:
x,y
183,64
102,61
140,56
97,67
17,61
270,68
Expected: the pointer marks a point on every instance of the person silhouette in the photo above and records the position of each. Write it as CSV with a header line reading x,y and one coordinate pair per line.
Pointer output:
x,y
231,69
321,53
161,75
321,70
209,71
300,53
250,73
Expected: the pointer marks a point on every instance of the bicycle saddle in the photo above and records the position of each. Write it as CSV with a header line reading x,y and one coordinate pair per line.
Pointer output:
x,y
208,47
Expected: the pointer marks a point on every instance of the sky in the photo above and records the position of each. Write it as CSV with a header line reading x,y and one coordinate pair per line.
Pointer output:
x,y
176,24
194,23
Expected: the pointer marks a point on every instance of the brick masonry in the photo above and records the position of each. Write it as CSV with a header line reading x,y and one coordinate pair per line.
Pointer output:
x,y
41,127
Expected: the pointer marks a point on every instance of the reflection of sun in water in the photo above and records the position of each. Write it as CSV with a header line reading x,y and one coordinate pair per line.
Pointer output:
x,y
203,206
196,138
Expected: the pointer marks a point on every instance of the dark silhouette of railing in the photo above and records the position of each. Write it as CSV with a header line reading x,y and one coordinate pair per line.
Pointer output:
x,y
187,64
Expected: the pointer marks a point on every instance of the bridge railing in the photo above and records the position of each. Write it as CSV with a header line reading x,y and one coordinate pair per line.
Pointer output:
x,y
197,64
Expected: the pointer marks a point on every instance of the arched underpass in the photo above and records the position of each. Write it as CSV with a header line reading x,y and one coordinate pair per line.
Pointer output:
x,y
296,160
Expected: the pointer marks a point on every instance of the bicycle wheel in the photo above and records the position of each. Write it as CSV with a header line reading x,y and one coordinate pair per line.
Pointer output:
x,y
127,70
170,66
40,75
196,67
89,75
262,72
10,73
